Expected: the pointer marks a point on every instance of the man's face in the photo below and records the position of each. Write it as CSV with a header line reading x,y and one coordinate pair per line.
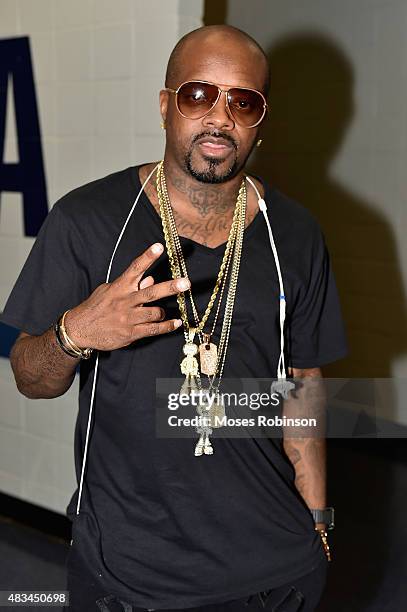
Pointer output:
x,y
214,148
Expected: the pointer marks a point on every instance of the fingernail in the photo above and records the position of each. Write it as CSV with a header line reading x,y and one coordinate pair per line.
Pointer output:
x,y
157,248
183,284
177,323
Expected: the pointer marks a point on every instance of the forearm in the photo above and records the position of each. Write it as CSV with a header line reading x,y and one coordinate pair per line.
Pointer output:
x,y
305,446
308,457
41,368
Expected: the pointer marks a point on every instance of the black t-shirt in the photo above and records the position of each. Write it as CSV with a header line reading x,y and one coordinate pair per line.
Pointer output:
x,y
163,528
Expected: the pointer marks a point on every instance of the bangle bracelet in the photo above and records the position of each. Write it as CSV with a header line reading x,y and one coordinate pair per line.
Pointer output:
x,y
61,344
83,353
66,343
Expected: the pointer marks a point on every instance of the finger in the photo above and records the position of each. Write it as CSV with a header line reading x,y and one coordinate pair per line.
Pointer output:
x,y
143,330
146,282
146,315
134,273
161,290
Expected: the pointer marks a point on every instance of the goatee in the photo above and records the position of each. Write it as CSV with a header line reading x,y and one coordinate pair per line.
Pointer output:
x,y
210,175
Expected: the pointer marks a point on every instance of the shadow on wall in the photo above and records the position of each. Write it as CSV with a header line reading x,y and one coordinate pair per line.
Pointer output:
x,y
311,104
311,107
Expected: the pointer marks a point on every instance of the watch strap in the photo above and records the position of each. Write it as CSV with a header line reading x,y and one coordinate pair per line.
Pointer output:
x,y
324,515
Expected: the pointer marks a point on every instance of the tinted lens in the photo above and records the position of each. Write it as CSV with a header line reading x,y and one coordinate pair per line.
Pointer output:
x,y
246,106
196,99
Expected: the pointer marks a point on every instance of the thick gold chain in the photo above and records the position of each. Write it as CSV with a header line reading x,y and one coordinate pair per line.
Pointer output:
x,y
182,265
177,262
174,266
233,251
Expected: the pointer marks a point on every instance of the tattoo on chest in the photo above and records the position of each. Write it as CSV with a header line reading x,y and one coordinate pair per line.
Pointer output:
x,y
202,231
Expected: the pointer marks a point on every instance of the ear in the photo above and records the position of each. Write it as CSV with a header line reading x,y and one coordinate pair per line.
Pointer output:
x,y
164,98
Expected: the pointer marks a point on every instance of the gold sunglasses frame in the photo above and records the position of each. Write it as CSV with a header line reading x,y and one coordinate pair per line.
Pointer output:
x,y
220,91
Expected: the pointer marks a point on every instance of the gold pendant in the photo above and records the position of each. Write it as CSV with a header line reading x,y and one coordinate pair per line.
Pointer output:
x,y
208,356
189,365
204,445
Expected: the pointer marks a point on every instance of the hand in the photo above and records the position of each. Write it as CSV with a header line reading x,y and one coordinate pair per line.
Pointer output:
x,y
115,315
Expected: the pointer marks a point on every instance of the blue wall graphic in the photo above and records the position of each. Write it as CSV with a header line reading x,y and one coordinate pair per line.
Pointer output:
x,y
27,176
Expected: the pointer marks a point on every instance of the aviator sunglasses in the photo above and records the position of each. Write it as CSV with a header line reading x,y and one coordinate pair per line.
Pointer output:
x,y
196,99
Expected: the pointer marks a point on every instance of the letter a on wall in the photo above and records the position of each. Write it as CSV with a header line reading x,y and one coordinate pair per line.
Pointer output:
x,y
27,176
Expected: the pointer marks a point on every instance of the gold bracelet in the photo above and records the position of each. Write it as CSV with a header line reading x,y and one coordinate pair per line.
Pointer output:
x,y
82,353
324,538
60,342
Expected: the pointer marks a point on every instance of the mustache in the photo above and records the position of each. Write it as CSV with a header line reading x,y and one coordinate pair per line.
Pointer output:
x,y
215,134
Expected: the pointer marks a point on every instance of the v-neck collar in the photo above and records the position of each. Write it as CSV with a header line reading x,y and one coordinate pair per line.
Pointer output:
x,y
218,250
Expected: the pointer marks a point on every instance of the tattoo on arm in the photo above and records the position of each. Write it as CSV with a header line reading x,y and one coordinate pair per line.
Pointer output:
x,y
306,447
308,459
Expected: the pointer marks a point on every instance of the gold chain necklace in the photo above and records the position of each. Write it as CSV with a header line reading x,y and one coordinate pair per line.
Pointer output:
x,y
189,365
177,261
215,411
207,349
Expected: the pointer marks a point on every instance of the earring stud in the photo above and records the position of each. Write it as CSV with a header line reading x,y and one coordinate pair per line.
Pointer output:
x,y
163,125
258,143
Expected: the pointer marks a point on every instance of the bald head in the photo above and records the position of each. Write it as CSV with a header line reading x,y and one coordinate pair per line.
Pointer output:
x,y
228,42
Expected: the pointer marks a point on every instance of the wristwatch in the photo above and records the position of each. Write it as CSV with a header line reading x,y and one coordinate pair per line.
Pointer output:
x,y
324,515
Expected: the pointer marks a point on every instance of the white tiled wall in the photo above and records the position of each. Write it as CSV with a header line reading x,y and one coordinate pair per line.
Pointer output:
x,y
36,444
98,67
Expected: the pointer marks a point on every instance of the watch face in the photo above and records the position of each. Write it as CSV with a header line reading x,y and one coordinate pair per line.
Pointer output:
x,y
325,515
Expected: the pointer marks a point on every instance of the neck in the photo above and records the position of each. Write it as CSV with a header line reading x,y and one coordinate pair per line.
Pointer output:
x,y
200,199
202,212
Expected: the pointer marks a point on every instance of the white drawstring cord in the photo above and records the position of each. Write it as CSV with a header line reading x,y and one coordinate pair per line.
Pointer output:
x,y
85,453
263,207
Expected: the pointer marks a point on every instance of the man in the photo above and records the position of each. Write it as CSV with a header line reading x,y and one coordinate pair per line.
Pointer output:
x,y
159,528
